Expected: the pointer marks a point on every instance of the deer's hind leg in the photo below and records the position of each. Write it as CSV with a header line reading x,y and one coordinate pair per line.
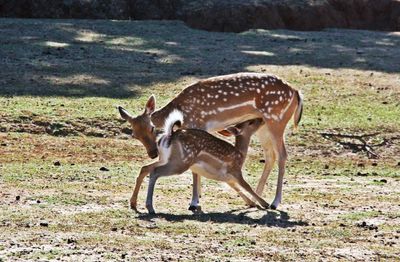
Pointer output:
x,y
269,157
272,141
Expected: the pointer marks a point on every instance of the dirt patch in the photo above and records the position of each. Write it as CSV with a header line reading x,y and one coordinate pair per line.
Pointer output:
x,y
91,128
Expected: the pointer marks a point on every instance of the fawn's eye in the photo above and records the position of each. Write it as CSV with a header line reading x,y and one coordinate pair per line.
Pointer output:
x,y
152,129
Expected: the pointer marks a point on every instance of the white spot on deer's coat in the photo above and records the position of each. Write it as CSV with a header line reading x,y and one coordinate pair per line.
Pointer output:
x,y
275,117
247,103
266,103
258,90
286,108
267,116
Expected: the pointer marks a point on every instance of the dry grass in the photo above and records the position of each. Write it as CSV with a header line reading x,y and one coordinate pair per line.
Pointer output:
x,y
60,81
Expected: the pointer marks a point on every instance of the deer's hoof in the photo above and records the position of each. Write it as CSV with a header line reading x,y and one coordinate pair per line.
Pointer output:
x,y
273,207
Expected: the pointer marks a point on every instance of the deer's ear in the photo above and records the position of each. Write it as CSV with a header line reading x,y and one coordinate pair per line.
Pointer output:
x,y
124,114
150,105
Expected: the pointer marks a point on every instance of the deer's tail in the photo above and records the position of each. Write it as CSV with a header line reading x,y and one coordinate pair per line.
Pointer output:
x,y
299,110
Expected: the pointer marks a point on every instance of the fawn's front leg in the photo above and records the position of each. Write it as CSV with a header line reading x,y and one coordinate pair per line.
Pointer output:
x,y
165,170
196,193
144,171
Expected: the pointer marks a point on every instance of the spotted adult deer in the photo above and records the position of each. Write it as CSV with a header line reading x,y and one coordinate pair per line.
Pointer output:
x,y
204,154
216,103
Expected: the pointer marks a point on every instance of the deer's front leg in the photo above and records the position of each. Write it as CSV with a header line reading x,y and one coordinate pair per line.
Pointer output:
x,y
195,204
144,171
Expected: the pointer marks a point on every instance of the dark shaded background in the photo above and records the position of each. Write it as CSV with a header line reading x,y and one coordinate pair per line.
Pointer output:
x,y
222,15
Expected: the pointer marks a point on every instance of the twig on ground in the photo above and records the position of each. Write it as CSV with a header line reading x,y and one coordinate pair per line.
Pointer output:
x,y
356,147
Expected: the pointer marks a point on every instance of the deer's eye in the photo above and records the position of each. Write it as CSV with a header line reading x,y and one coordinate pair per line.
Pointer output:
x,y
152,129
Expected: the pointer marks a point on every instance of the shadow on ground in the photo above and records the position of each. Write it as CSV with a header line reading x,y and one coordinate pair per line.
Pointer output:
x,y
270,219
118,59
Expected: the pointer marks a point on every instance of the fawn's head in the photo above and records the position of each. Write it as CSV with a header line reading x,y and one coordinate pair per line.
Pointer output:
x,y
247,128
142,127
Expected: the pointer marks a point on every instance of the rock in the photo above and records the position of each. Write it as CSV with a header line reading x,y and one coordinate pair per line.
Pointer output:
x,y
17,198
366,226
362,174
44,224
57,163
104,169
71,241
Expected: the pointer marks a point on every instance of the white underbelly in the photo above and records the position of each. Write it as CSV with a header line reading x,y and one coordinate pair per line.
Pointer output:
x,y
218,125
211,172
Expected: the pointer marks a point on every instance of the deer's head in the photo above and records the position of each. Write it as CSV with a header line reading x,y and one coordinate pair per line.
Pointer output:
x,y
142,127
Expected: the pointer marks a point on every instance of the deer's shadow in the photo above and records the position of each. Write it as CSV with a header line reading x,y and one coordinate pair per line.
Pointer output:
x,y
271,218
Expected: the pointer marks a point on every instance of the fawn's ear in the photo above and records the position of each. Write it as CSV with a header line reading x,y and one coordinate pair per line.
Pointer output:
x,y
234,130
124,114
225,132
150,105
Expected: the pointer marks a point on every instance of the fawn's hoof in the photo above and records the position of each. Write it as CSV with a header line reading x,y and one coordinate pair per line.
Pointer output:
x,y
273,207
195,209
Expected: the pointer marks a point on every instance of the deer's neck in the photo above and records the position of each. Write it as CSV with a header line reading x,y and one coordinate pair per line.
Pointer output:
x,y
242,145
159,116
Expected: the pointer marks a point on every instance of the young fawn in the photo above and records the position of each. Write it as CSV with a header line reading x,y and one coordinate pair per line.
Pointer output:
x,y
204,154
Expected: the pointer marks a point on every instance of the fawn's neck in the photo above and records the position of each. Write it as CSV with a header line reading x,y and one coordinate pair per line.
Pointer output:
x,y
242,145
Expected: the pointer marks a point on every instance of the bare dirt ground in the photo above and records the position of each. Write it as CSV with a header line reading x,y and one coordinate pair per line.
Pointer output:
x,y
67,164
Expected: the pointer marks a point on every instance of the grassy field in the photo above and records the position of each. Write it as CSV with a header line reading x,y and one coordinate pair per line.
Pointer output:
x,y
60,81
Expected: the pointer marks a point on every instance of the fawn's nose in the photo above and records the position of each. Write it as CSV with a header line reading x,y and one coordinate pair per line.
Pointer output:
x,y
153,154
